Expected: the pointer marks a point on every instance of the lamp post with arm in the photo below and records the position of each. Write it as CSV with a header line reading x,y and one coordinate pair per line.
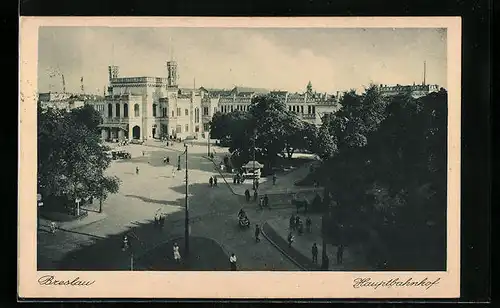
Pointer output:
x,y
186,221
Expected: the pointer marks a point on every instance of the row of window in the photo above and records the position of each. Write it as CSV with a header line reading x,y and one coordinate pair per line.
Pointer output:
x,y
137,113
231,108
310,109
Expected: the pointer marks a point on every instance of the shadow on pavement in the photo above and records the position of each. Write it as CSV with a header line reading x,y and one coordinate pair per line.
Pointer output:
x,y
205,255
105,253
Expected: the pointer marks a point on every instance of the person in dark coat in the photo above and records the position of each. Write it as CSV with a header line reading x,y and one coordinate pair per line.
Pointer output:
x,y
257,233
340,254
247,195
292,222
136,170
215,181
266,201
255,195
168,160
211,181
308,224
314,251
297,221
274,179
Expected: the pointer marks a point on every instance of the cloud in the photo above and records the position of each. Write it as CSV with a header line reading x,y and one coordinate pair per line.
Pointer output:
x,y
332,59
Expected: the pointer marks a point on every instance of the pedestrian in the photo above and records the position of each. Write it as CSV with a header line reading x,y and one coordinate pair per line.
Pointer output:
x,y
314,251
274,179
234,179
157,221
256,184
292,222
125,243
257,233
164,160
255,195
247,195
266,201
211,181
340,253
168,160
297,221
173,171
53,227
142,153
177,254
326,262
215,180
162,221
301,228
290,239
136,170
308,224
232,261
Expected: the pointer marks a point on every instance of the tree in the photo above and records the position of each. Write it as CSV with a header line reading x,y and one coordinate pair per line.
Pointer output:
x,y
71,158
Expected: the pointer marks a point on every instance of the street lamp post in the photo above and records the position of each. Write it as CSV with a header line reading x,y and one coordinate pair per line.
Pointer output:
x,y
254,137
208,144
186,225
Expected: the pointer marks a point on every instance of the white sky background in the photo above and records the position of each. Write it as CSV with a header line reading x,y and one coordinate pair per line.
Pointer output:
x,y
286,59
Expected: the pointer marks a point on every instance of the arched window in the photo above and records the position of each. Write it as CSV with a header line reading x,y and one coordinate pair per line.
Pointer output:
x,y
136,110
117,110
125,110
110,110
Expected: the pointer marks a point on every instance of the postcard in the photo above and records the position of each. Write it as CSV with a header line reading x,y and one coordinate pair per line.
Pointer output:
x,y
239,158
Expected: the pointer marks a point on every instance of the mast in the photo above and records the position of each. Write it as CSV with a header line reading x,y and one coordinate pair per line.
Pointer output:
x,y
424,72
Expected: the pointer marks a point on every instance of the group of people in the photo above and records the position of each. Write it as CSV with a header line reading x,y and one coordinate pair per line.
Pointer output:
x,y
247,195
237,178
159,221
296,224
212,181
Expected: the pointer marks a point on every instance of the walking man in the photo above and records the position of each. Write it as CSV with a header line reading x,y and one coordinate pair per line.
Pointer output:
x,y
266,201
157,221
215,180
177,254
247,195
314,251
290,239
292,222
168,160
211,181
340,254
164,160
308,224
136,170
232,261
255,195
173,171
257,233
274,179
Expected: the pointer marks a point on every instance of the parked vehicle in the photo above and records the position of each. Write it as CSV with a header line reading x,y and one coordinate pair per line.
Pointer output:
x,y
120,154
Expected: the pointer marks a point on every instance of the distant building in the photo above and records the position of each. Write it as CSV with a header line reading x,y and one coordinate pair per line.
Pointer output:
x,y
414,90
65,101
310,106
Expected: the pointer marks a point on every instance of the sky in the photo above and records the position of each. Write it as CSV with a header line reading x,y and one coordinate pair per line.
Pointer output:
x,y
332,59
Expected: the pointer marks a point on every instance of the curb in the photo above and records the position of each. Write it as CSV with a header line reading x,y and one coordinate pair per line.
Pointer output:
x,y
280,249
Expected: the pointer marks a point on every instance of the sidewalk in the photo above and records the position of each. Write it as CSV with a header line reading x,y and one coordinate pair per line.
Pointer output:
x,y
91,218
277,231
285,184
